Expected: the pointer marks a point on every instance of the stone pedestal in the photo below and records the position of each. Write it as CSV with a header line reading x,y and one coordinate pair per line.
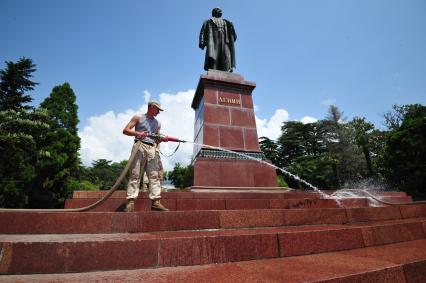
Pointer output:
x,y
224,117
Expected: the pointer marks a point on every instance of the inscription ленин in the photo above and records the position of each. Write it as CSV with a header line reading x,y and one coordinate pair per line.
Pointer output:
x,y
230,100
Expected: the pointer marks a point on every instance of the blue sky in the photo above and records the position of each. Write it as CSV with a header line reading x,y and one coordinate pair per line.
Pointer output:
x,y
361,55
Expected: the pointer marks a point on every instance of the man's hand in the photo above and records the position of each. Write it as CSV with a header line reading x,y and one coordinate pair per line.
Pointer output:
x,y
141,135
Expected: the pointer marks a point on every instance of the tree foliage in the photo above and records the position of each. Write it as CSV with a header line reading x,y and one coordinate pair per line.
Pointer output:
x,y
405,150
305,145
21,133
61,142
14,83
298,139
39,146
104,173
363,131
270,149
341,144
182,176
328,153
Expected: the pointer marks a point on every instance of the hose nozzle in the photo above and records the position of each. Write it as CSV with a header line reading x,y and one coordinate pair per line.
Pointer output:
x,y
171,139
165,138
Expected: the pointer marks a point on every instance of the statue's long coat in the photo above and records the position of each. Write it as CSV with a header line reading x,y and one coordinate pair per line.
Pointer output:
x,y
208,35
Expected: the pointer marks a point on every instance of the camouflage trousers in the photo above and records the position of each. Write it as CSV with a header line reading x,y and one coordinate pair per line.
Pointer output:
x,y
145,183
146,157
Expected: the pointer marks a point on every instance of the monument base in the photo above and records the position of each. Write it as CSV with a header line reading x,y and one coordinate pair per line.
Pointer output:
x,y
225,119
233,173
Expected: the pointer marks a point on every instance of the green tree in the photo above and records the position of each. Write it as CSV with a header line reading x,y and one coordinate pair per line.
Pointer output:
x,y
82,185
182,177
104,173
117,168
405,150
303,145
291,142
281,181
319,170
21,130
363,133
21,133
14,83
342,147
55,169
101,174
394,117
298,139
270,149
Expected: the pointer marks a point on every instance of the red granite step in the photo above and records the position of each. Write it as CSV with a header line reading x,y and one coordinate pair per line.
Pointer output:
x,y
143,204
400,262
396,199
120,222
23,254
247,193
214,193
229,200
95,222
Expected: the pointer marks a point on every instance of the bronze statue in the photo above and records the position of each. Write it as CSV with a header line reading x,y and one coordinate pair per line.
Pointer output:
x,y
219,36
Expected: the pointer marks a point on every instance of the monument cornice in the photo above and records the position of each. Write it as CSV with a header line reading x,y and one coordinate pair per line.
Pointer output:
x,y
223,80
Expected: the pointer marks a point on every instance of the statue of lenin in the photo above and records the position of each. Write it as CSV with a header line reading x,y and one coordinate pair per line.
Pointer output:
x,y
218,35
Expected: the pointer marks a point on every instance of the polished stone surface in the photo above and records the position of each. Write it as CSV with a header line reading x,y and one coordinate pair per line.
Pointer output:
x,y
181,240
270,230
402,262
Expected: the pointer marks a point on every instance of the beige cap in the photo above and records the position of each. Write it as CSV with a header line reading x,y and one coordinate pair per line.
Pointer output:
x,y
155,103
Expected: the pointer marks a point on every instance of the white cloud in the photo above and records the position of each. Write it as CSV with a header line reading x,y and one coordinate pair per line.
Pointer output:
x,y
146,96
272,128
103,137
177,120
308,119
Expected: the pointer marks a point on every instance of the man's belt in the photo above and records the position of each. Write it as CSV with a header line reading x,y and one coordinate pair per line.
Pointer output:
x,y
144,142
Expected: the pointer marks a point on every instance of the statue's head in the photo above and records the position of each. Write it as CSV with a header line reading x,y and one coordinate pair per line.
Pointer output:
x,y
217,12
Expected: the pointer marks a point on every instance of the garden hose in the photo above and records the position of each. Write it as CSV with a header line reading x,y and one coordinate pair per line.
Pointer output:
x,y
390,203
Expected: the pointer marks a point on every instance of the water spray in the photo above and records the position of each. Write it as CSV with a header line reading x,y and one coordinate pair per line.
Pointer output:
x,y
336,196
295,177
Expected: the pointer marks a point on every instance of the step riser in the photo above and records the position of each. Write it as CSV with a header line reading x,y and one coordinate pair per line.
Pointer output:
x,y
415,271
117,205
378,264
212,194
279,194
92,222
235,275
25,257
21,258
401,262
88,222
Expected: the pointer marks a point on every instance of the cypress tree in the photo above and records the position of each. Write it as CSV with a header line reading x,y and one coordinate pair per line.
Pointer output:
x,y
62,143
14,83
